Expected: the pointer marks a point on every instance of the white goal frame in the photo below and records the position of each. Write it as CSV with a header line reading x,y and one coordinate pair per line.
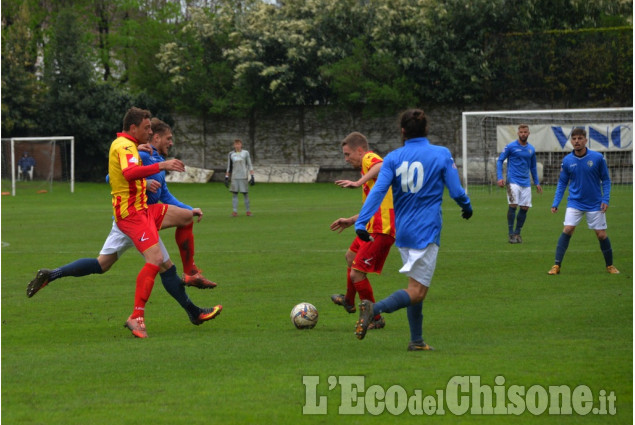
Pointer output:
x,y
42,139
584,114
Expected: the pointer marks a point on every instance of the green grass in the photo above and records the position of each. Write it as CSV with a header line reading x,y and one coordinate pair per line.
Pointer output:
x,y
491,311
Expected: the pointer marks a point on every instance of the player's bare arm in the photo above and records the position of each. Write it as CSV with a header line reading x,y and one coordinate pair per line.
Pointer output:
x,y
371,174
342,223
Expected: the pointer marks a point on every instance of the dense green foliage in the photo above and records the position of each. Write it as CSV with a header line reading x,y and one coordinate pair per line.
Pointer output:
x,y
71,67
491,311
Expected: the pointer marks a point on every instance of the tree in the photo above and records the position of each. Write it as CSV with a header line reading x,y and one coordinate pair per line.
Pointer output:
x,y
21,91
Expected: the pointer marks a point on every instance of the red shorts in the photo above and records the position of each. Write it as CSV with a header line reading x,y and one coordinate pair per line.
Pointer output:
x,y
371,256
142,226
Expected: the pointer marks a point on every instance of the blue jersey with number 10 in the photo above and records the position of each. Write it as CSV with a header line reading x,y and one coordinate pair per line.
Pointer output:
x,y
418,174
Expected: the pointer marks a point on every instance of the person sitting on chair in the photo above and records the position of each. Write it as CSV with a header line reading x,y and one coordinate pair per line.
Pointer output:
x,y
26,165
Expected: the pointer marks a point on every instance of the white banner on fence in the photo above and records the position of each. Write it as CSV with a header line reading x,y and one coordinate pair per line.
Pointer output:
x,y
555,138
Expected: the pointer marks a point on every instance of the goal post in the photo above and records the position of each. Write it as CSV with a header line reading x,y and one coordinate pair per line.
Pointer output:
x,y
486,133
54,159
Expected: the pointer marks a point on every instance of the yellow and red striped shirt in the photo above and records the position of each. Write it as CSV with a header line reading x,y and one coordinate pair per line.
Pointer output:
x,y
384,219
127,197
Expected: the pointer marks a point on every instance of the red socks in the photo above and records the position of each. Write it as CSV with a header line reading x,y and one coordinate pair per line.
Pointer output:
x,y
350,289
185,241
365,290
145,283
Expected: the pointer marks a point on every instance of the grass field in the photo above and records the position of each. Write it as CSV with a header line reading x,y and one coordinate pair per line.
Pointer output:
x,y
492,311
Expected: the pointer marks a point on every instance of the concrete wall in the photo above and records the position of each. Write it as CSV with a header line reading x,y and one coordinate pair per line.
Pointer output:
x,y
281,140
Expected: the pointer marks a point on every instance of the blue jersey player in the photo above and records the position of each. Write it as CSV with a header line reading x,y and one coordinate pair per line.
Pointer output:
x,y
418,172
587,175
117,242
521,161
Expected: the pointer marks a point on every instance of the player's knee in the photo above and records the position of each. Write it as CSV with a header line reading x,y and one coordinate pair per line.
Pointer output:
x,y
106,262
568,230
601,234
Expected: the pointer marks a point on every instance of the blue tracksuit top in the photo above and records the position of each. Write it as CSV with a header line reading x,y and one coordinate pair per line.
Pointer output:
x,y
588,180
417,173
521,160
163,194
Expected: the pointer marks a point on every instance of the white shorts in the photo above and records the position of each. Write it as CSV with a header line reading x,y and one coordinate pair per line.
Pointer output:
x,y
419,264
595,219
118,242
518,195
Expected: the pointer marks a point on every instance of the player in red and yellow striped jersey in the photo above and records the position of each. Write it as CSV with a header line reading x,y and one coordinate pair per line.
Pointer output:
x,y
138,220
365,257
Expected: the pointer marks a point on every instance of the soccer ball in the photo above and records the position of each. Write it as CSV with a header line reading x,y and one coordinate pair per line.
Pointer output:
x,y
304,316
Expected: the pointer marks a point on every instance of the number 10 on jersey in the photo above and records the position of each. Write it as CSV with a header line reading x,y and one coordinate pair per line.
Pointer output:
x,y
411,176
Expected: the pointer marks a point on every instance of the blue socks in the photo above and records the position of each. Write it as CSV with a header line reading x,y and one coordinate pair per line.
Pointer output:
x,y
415,320
561,248
607,251
520,220
81,267
174,286
398,300
395,301
511,216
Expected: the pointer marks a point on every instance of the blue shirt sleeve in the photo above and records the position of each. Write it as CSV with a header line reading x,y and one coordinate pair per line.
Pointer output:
x,y
563,182
499,164
453,183
167,198
376,195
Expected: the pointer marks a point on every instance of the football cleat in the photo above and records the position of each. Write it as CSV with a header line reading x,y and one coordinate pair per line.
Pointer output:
x,y
339,299
137,326
377,323
206,314
40,281
248,213
555,269
365,318
518,239
611,269
512,238
234,214
419,346
197,280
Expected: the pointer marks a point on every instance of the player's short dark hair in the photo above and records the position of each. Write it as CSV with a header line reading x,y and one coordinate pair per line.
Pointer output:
x,y
578,131
355,140
414,123
159,127
134,116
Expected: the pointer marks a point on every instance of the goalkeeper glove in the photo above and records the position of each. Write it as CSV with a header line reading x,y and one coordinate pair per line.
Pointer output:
x,y
364,235
226,181
252,181
467,212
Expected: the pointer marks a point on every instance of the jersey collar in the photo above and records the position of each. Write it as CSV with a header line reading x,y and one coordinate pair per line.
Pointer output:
x,y
127,136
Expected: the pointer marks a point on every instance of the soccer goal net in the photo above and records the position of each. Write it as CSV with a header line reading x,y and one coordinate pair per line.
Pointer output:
x,y
37,163
485,134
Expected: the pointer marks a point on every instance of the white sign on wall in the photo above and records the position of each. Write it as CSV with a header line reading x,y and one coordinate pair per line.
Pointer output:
x,y
556,138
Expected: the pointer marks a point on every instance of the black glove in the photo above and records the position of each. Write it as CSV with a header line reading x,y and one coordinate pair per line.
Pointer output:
x,y
252,181
467,212
226,181
364,235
